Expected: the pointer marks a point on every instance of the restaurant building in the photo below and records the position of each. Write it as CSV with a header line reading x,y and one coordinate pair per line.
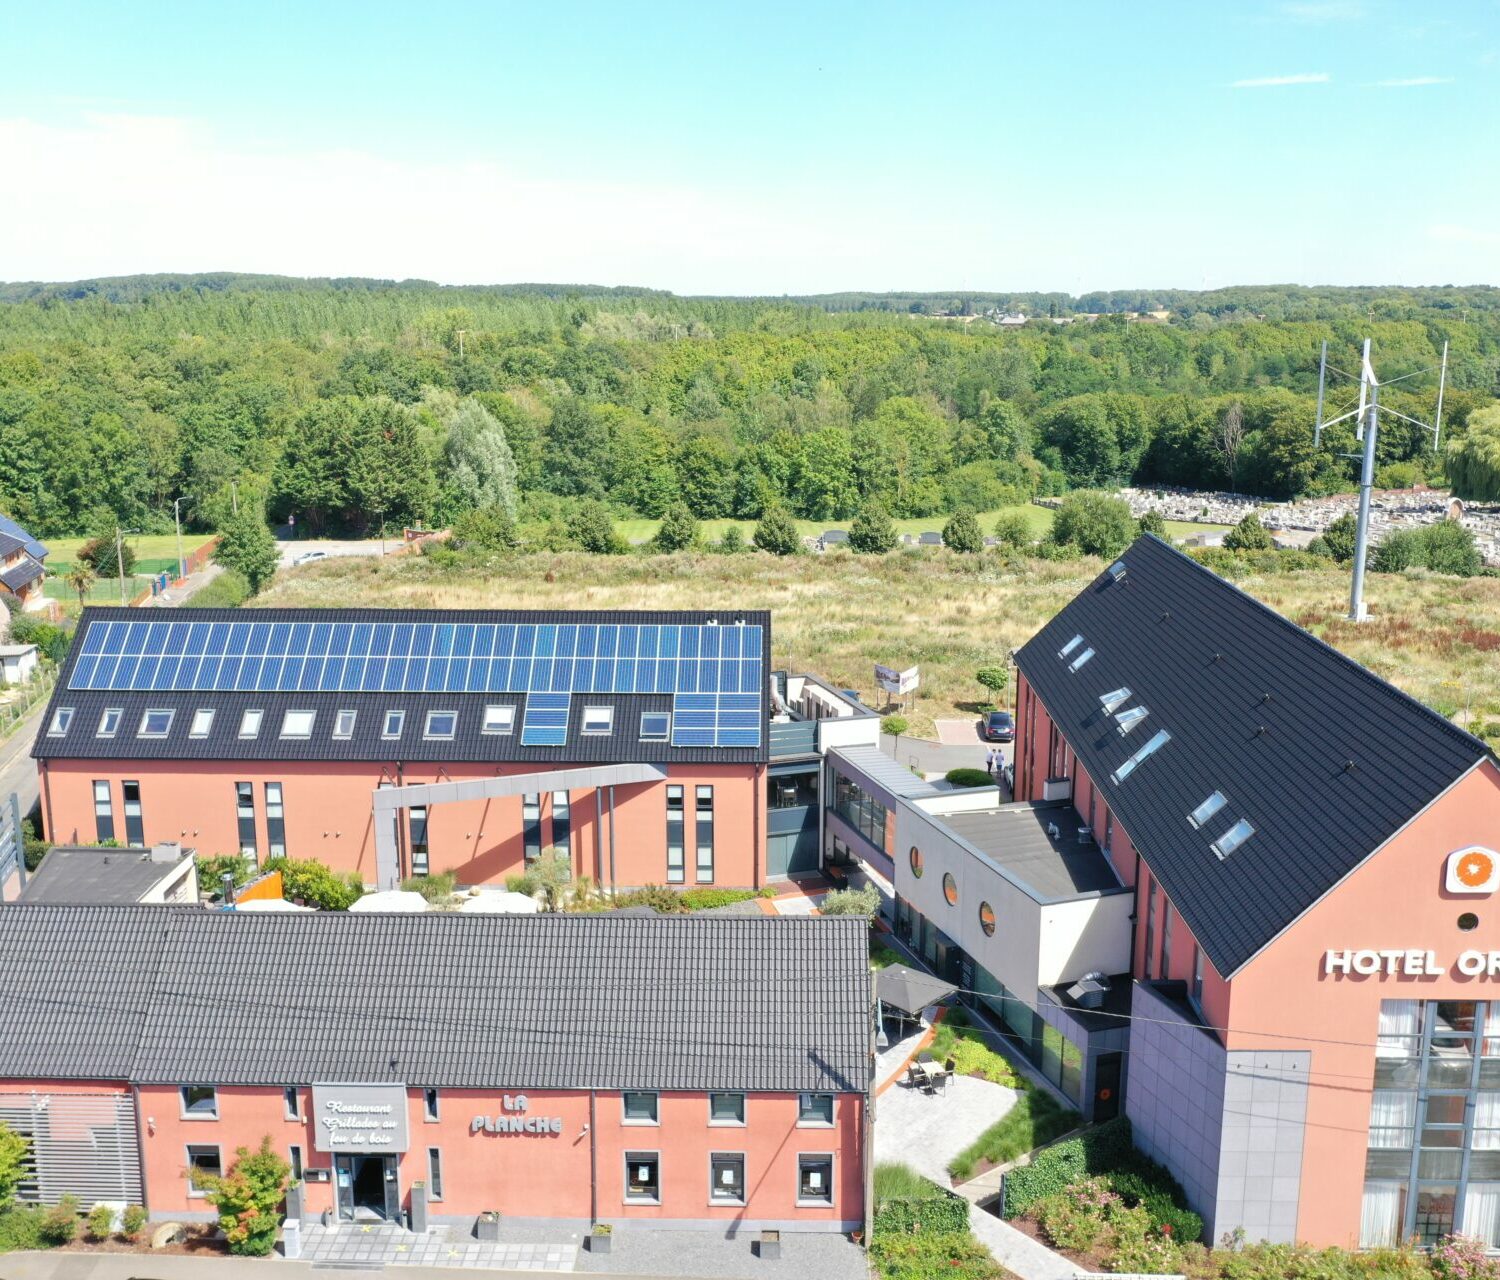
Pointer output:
x,y
682,1071
392,743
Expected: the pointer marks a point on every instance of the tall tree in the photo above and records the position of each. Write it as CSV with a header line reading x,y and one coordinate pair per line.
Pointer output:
x,y
481,470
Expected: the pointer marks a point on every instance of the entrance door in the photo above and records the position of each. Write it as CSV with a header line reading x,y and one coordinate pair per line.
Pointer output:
x,y
367,1188
1106,1087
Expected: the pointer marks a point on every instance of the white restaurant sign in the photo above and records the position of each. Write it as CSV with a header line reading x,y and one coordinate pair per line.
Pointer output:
x,y
359,1118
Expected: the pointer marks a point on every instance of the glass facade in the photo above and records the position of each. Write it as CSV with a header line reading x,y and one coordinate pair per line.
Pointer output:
x,y
1432,1166
1044,1046
865,814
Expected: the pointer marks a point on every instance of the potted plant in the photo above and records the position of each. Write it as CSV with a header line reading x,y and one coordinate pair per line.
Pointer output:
x,y
600,1237
488,1226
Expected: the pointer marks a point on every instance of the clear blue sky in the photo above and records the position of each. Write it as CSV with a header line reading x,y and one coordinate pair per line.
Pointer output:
x,y
767,148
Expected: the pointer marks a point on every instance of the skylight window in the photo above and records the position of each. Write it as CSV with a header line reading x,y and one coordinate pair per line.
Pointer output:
x,y
598,719
656,726
343,724
1207,809
1117,570
1158,740
109,722
499,719
1127,720
298,724
250,722
394,720
203,722
61,719
1232,839
441,724
155,723
1080,659
1070,646
1115,698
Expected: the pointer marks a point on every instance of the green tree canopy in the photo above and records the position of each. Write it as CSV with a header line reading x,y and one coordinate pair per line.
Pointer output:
x,y
1339,537
481,469
1473,459
872,531
961,533
777,533
247,546
1096,523
678,530
1249,535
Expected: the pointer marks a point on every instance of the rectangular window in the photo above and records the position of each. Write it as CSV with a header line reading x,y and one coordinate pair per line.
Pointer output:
x,y
726,1108
343,723
199,1102
104,813
703,820
297,724
203,723
434,1174
815,1109
598,720
441,724
135,826
1197,991
727,1177
244,813
1109,829
419,861
531,828
291,1103
676,871
393,722
499,719
562,823
156,723
1166,941
250,722
275,821
638,1107
1207,809
815,1179
430,1112
294,1158
61,719
1149,961
1154,744
656,726
202,1160
642,1177
109,722
1232,839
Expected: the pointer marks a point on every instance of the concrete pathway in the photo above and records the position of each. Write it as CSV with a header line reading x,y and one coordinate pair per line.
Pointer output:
x,y
926,1130
57,1265
1016,1251
385,1245
930,757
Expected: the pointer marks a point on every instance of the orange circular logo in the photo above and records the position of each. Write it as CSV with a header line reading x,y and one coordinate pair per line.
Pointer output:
x,y
1475,868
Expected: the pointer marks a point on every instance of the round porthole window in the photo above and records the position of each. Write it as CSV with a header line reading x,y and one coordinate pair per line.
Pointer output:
x,y
916,862
987,919
950,888
1468,922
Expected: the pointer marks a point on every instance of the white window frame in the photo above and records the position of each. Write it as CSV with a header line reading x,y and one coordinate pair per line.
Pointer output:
x,y
385,724
62,719
187,1113
1215,801
203,722
427,730
170,714
339,730
596,729
823,1157
627,1119
714,1121
195,1192
499,719
250,722
666,733
833,1107
113,725
298,734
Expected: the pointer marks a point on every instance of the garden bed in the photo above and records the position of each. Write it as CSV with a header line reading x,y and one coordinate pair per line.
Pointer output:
x,y
921,1230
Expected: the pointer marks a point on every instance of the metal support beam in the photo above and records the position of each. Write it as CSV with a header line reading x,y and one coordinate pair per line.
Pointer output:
x,y
1357,611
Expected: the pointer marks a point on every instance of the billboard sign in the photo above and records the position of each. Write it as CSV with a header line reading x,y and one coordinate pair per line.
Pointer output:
x,y
893,681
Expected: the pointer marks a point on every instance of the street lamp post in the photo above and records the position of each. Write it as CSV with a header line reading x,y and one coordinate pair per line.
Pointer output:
x,y
177,519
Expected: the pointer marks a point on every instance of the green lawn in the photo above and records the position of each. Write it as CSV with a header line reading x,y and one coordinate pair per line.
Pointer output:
x,y
882,955
148,547
956,1038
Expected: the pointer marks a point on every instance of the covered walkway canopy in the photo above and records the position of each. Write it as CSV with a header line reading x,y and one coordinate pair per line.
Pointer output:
x,y
909,991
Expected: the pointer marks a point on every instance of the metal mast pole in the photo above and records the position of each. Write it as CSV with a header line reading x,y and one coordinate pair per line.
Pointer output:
x,y
1362,535
177,519
1322,382
1437,426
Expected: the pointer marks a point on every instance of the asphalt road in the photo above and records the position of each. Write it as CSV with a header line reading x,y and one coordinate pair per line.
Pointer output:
x,y
290,550
17,768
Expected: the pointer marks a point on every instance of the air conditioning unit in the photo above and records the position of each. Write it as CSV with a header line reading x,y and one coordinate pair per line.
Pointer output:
x,y
1057,789
1089,991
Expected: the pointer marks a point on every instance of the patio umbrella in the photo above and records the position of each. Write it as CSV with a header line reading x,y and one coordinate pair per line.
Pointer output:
x,y
909,991
390,900
498,903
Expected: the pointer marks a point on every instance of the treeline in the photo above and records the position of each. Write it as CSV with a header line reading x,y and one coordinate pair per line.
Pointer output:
x,y
336,402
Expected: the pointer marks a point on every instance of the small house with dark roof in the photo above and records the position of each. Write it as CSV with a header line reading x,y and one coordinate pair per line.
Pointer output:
x,y
559,1069
83,874
22,569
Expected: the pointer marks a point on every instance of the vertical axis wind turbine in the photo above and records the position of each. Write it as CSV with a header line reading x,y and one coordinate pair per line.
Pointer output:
x,y
1366,418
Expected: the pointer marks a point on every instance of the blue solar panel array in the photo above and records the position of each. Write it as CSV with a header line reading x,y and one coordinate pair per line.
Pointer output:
x,y
546,721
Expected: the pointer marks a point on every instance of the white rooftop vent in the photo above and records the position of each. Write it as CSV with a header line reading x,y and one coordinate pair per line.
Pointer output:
x,y
1115,697
1127,720
1232,839
1117,570
1207,809
1158,740
1070,646
1080,659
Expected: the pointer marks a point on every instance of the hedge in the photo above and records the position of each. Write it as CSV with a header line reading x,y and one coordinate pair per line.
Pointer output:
x,y
969,778
939,1214
1103,1149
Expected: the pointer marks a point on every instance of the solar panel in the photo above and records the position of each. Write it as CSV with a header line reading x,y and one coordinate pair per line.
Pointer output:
x,y
546,721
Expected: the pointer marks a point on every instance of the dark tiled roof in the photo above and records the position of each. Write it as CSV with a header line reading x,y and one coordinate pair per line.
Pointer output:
x,y
469,745
1324,759
33,547
84,874
22,574
441,999
9,543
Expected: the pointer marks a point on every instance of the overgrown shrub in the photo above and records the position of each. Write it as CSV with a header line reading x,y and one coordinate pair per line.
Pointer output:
x,y
864,901
522,882
970,778
311,882
707,899
1462,1257
955,1256
21,1229
1012,529
101,1222
13,1162
212,868
1103,1149
249,1198
228,589
658,897
133,1222
437,887
59,1224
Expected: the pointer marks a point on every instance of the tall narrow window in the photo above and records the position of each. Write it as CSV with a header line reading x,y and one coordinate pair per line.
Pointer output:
x,y
135,828
294,1154
291,1102
434,1174
1109,830
104,812
244,814
703,815
531,827
275,821
727,1177
1198,976
1150,957
1166,941
419,862
676,871
562,823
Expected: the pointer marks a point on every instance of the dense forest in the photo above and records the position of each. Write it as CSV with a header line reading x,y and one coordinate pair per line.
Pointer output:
x,y
347,402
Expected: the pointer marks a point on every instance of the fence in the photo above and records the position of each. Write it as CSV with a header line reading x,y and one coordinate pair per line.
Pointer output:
x,y
12,843
36,690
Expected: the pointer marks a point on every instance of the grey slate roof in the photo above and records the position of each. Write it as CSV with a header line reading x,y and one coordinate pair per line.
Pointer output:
x,y
469,745
86,874
1323,758
36,549
895,778
19,575
160,995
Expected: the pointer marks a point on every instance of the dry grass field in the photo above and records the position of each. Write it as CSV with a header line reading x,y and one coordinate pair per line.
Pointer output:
x,y
837,614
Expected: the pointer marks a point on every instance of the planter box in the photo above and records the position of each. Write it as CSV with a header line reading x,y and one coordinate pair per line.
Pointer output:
x,y
600,1243
770,1245
488,1229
